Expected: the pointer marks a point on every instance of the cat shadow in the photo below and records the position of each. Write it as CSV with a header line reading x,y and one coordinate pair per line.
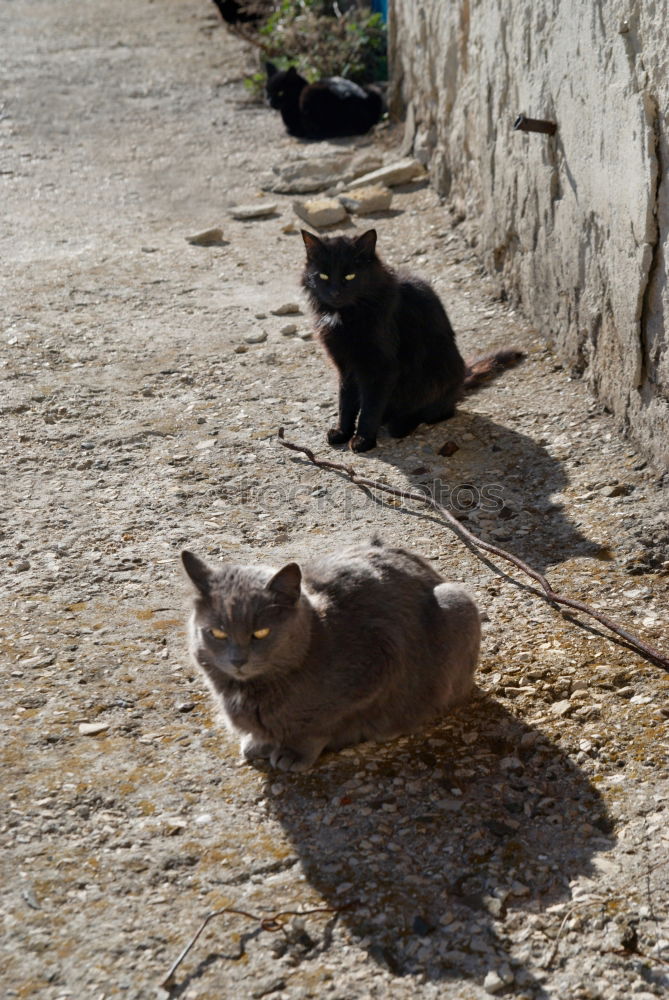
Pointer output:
x,y
499,483
435,847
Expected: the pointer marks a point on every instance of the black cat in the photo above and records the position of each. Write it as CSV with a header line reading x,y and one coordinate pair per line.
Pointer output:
x,y
322,110
390,339
243,11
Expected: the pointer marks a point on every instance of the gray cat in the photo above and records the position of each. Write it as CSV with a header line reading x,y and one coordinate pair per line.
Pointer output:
x,y
363,645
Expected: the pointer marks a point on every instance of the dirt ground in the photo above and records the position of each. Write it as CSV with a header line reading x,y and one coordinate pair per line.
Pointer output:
x,y
520,846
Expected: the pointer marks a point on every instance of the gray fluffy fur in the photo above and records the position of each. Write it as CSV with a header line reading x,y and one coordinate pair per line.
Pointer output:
x,y
366,644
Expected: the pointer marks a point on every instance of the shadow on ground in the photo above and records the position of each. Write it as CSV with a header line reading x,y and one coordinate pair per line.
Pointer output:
x,y
497,480
443,837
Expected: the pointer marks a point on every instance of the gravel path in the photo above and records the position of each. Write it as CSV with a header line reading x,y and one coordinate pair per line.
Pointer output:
x,y
518,848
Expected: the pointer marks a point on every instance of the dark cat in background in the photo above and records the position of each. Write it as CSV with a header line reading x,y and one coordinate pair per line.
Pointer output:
x,y
244,11
328,108
364,645
391,341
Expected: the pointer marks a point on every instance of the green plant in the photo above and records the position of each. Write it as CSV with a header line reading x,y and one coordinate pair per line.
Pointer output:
x,y
320,39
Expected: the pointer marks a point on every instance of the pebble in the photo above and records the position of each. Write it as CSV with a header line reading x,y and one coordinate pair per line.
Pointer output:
x,y
289,330
320,212
207,238
41,660
256,338
287,309
493,983
562,708
92,728
259,210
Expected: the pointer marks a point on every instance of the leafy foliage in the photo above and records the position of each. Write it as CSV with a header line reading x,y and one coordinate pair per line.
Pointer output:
x,y
321,39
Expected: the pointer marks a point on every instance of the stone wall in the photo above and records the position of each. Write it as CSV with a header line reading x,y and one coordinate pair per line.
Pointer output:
x,y
575,226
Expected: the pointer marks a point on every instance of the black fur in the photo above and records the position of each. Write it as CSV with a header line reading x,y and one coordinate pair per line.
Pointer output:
x,y
242,11
322,110
389,337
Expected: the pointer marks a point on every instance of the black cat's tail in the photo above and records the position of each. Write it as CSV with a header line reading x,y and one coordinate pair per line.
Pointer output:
x,y
479,371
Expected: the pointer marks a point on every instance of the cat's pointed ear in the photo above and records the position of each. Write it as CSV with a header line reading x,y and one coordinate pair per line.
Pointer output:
x,y
286,583
198,571
366,243
270,69
311,242
292,71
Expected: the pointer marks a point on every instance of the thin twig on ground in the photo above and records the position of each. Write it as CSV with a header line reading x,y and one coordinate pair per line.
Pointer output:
x,y
585,903
272,923
368,485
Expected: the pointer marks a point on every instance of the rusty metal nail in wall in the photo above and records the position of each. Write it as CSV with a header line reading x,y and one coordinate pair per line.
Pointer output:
x,y
523,124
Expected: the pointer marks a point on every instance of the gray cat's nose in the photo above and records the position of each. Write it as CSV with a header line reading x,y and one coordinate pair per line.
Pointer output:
x,y
238,658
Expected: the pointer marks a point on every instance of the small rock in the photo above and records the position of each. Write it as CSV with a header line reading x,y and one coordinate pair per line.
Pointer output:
x,y
492,982
421,926
241,349
287,309
618,490
92,728
22,566
562,708
511,764
259,210
448,448
185,706
365,200
207,238
267,986
319,212
256,338
41,660
289,330
400,172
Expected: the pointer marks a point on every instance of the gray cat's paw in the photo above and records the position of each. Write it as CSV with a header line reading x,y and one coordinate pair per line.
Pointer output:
x,y
286,759
255,750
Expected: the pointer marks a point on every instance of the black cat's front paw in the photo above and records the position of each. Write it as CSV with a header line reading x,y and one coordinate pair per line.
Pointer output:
x,y
337,436
361,443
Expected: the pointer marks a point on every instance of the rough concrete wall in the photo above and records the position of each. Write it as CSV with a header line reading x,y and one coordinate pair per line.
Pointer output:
x,y
575,225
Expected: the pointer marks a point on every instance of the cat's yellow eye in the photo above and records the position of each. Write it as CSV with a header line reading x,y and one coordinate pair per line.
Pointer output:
x,y
261,633
218,633
325,277
349,277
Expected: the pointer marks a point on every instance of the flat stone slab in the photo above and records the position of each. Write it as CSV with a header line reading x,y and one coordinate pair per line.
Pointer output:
x,y
400,172
257,210
365,200
312,174
319,212
207,238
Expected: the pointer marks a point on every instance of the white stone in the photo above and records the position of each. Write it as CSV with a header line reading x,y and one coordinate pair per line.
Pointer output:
x,y
492,982
92,728
319,212
363,201
256,210
207,238
400,172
